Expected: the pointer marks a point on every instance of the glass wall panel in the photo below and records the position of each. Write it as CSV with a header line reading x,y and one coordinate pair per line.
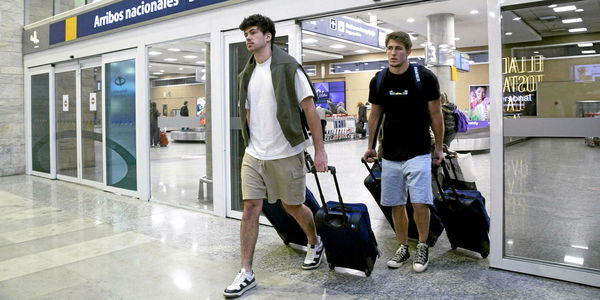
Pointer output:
x,y
66,123
120,125
40,123
91,123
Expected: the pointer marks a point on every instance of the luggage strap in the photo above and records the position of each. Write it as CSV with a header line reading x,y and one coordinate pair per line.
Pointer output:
x,y
437,181
311,167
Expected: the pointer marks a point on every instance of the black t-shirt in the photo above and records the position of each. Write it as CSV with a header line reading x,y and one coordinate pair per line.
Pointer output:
x,y
407,119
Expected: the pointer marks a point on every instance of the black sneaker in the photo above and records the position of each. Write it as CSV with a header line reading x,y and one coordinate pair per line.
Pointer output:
x,y
421,258
314,256
399,258
240,285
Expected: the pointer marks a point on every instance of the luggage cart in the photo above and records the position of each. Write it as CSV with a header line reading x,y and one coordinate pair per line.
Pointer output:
x,y
592,141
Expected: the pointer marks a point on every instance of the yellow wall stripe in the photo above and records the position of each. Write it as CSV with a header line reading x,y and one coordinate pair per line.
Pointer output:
x,y
71,28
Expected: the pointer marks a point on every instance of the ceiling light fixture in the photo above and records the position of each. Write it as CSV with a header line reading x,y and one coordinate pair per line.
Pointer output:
x,y
580,247
157,73
170,59
565,8
457,39
154,53
553,5
180,69
581,29
410,20
162,71
574,20
149,66
361,51
508,33
174,49
190,56
579,10
201,62
536,52
309,41
582,45
474,12
203,49
574,260
516,18
337,46
588,51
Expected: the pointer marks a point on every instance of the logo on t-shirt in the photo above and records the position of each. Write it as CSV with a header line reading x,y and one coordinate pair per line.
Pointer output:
x,y
404,93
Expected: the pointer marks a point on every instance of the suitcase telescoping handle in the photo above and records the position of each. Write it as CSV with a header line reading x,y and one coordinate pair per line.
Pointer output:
x,y
311,167
375,162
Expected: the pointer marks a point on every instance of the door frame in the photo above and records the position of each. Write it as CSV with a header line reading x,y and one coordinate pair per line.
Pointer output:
x,y
292,30
499,128
61,68
49,69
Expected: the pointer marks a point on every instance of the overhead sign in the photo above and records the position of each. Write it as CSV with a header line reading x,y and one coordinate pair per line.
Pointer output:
x,y
347,29
110,17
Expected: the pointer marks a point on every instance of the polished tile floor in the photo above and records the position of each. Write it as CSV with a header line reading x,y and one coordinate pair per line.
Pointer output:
x,y
59,240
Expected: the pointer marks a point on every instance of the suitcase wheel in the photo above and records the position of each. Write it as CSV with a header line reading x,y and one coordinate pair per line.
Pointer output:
x,y
331,266
485,254
368,272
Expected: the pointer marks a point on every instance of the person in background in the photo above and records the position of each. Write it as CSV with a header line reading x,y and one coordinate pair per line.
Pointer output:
x,y
273,91
332,107
362,119
406,165
184,111
154,130
449,119
323,117
341,109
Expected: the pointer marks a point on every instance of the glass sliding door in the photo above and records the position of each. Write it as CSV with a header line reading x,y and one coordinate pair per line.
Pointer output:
x,y
66,123
40,123
91,123
547,153
237,56
120,93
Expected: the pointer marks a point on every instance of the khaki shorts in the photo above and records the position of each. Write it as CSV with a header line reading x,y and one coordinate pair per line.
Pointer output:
x,y
274,179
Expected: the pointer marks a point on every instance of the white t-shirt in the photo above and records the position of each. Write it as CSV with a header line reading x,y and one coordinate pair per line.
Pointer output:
x,y
267,141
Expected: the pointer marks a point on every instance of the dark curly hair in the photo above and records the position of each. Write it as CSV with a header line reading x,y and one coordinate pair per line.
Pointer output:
x,y
264,24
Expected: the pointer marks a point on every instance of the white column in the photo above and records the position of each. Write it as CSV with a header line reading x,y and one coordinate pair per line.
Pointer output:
x,y
440,50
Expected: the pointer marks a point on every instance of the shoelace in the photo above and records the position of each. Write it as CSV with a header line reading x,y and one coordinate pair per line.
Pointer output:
x,y
237,282
400,253
421,254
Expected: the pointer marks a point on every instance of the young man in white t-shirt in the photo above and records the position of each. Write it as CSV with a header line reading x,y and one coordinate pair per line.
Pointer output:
x,y
273,164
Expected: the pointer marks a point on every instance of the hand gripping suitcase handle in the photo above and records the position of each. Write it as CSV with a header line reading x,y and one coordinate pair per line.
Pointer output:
x,y
332,170
447,175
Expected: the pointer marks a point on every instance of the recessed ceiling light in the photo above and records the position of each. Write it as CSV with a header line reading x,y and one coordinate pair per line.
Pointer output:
x,y
582,29
174,49
410,20
588,51
565,8
536,52
337,46
157,73
508,33
190,56
203,49
201,62
580,247
516,18
162,71
180,69
574,20
552,5
170,59
149,66
582,45
309,41
574,260
474,12
579,10
361,51
357,69
203,70
457,39
154,53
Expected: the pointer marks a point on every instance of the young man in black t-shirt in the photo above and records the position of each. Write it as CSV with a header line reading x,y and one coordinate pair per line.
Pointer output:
x,y
410,100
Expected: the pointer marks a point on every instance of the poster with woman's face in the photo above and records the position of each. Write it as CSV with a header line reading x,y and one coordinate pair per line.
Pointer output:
x,y
479,103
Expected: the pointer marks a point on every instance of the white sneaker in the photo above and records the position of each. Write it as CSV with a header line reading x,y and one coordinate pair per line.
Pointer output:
x,y
314,256
240,285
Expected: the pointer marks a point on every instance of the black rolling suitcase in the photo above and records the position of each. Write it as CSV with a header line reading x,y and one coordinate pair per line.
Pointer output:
x,y
345,229
464,217
373,184
286,226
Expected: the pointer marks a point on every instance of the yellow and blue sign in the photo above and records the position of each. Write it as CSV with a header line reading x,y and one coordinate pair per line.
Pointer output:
x,y
121,14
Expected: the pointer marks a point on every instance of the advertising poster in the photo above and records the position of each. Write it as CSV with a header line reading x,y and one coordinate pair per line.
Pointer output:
x,y
334,91
517,104
479,103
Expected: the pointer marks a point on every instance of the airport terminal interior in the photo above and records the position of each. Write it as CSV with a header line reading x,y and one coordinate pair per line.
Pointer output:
x,y
84,236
